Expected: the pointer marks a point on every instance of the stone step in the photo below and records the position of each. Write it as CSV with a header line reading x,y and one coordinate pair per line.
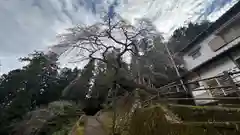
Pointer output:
x,y
230,105
205,113
153,121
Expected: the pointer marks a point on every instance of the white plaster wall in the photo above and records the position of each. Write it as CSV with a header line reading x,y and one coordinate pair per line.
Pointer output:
x,y
216,68
202,94
206,52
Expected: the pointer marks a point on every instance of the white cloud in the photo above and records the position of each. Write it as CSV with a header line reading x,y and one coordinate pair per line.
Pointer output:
x,y
168,15
9,63
28,25
32,25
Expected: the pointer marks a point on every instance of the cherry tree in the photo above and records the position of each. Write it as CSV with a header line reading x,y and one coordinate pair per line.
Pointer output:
x,y
113,35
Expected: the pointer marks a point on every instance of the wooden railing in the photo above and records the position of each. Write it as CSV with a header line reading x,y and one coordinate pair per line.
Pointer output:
x,y
224,85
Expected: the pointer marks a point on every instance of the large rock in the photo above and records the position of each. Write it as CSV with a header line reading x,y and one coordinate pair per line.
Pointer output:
x,y
33,122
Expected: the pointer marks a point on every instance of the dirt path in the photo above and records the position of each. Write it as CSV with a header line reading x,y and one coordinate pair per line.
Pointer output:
x,y
93,126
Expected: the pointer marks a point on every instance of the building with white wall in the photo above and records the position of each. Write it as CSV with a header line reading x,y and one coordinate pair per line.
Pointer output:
x,y
214,51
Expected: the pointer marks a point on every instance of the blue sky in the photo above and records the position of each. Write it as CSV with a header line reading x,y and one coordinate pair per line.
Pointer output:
x,y
28,25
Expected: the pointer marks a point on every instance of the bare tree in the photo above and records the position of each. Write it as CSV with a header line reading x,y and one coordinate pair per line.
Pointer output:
x,y
111,35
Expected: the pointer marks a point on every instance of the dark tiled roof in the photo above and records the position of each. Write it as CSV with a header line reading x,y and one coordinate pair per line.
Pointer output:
x,y
214,26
